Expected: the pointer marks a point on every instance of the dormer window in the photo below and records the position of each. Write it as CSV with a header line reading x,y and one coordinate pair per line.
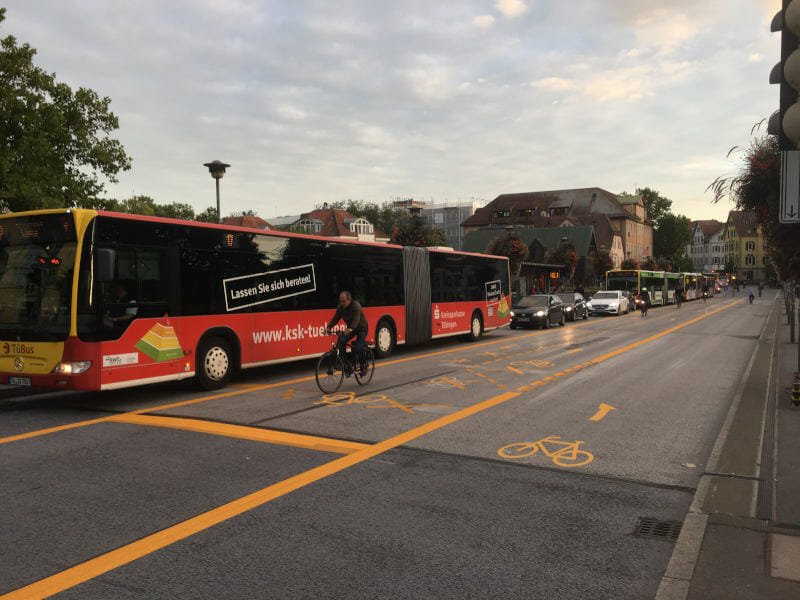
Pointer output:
x,y
361,226
310,225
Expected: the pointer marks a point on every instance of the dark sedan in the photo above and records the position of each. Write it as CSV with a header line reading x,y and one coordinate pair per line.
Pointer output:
x,y
540,309
574,306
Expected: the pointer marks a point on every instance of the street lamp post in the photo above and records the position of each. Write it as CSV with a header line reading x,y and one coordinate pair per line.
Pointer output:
x,y
217,170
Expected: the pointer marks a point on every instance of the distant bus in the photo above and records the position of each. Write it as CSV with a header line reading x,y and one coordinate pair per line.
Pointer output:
x,y
95,300
633,280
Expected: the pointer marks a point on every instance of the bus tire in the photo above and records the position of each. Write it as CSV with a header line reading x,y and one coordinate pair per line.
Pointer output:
x,y
475,326
215,363
385,339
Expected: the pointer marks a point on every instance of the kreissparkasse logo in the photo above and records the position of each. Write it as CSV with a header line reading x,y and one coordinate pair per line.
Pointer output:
x,y
19,363
6,348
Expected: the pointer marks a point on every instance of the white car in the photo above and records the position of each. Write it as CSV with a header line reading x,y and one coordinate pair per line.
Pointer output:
x,y
608,303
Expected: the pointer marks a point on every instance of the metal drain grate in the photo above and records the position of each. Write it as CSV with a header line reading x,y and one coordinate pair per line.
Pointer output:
x,y
660,530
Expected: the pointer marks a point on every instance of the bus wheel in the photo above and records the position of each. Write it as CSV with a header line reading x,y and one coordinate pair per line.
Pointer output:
x,y
384,339
214,363
476,327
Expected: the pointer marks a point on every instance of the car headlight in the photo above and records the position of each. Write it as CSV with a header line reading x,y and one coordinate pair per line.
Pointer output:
x,y
72,368
568,308
511,314
540,313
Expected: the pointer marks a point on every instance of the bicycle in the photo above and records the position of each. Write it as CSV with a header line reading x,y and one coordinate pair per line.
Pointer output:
x,y
569,454
337,363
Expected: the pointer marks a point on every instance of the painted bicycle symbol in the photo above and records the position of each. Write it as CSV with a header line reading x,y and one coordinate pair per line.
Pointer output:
x,y
563,453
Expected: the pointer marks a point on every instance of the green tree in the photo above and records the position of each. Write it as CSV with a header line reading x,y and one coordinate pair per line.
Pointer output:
x,y
209,215
656,205
175,210
413,232
511,247
756,189
671,237
55,148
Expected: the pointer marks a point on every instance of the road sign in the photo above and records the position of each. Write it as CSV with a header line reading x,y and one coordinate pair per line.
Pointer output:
x,y
790,187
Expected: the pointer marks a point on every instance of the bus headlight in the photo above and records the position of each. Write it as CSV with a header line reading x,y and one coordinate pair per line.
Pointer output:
x,y
72,368
511,314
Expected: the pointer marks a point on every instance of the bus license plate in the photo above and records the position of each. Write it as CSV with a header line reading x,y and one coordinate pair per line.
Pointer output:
x,y
19,381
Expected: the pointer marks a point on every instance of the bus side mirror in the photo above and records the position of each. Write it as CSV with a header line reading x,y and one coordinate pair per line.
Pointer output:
x,y
104,263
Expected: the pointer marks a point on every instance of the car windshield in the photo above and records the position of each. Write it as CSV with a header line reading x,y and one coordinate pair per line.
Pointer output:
x,y
37,257
567,298
528,301
605,296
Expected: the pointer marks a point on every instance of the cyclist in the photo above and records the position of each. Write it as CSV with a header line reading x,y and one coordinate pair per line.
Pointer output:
x,y
645,296
350,312
678,297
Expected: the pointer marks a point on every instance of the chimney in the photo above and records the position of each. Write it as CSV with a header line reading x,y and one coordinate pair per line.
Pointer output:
x,y
324,206
591,202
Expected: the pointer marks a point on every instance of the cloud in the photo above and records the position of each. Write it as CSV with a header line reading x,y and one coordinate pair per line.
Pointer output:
x,y
511,9
483,21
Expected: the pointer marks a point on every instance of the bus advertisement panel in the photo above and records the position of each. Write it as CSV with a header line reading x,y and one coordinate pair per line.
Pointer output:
x,y
95,300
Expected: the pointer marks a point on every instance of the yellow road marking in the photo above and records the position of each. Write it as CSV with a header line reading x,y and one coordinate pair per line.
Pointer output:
x,y
602,411
576,350
116,558
517,371
243,432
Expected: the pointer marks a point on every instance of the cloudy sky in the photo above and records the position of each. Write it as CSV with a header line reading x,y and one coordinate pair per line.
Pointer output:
x,y
314,101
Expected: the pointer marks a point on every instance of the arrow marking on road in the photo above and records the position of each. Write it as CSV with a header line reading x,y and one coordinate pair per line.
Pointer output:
x,y
602,411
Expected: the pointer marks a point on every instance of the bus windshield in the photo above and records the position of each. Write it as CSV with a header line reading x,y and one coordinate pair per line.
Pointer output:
x,y
623,282
37,258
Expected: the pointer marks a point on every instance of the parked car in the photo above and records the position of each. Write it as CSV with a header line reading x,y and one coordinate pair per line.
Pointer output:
x,y
611,302
574,306
536,310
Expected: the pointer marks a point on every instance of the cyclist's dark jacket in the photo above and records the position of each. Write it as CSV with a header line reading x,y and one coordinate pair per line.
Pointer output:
x,y
646,297
353,316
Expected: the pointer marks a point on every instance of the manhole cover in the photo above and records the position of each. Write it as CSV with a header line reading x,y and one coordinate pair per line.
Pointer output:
x,y
661,530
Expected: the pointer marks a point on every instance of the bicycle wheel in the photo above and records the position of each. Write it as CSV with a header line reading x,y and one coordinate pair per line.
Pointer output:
x,y
366,377
518,450
576,458
330,372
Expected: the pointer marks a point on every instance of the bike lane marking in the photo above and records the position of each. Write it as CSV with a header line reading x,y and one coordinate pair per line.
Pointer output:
x,y
259,387
128,553
244,432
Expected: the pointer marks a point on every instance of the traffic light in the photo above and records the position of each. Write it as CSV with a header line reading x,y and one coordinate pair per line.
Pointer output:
x,y
785,122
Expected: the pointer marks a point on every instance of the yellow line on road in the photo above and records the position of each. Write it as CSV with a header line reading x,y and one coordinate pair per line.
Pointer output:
x,y
513,370
243,432
130,552
576,350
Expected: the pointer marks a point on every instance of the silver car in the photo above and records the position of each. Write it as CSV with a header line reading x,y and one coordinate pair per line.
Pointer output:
x,y
608,303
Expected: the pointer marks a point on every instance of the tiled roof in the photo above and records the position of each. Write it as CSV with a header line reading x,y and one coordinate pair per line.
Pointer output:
x,y
584,201
549,237
247,221
709,227
744,223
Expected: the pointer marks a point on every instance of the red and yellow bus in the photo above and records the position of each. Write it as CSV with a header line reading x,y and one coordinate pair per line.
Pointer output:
x,y
93,300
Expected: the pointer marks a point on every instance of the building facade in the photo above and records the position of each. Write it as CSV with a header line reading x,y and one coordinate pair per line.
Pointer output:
x,y
335,223
626,216
706,249
448,217
744,247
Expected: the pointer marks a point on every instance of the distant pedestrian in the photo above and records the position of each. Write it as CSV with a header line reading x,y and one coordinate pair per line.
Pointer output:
x,y
678,297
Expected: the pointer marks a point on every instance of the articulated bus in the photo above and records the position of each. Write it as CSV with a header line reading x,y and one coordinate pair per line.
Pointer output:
x,y
93,300
657,283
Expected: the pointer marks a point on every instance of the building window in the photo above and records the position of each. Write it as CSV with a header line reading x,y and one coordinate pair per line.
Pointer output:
x,y
749,259
750,246
309,225
763,260
362,226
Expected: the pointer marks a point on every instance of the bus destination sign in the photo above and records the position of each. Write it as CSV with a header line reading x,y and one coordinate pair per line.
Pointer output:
x,y
249,290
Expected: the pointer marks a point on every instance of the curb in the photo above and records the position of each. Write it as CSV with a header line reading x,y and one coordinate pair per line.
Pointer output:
x,y
680,569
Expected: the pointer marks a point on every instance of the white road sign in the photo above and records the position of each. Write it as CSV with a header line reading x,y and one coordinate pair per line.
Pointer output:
x,y
790,187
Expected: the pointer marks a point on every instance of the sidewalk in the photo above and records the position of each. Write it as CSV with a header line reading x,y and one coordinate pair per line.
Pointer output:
x,y
741,538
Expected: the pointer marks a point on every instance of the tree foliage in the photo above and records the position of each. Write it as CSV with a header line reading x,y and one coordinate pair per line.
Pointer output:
x,y
413,232
656,206
670,238
564,254
55,144
756,188
511,247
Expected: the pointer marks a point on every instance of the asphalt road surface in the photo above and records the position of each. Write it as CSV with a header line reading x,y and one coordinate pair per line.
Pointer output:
x,y
518,466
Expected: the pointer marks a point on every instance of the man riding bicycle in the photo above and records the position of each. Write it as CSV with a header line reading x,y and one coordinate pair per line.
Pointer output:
x,y
351,313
